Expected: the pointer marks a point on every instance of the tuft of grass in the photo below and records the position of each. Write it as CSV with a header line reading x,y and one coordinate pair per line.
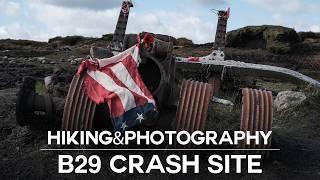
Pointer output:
x,y
40,88
276,86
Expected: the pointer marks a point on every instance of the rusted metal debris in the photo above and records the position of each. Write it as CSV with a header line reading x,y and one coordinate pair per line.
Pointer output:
x,y
37,110
239,69
193,106
256,115
30,102
79,110
119,33
220,38
157,71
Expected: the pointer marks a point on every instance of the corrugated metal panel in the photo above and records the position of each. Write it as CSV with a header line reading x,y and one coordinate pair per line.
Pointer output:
x,y
193,106
79,109
256,115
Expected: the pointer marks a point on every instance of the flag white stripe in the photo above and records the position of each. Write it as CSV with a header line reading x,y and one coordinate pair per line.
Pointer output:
x,y
126,97
136,55
124,76
134,51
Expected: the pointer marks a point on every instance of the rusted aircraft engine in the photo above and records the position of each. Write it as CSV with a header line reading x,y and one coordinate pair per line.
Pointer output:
x,y
157,71
34,109
80,113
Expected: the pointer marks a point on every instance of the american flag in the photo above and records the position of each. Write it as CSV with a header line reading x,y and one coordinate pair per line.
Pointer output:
x,y
117,82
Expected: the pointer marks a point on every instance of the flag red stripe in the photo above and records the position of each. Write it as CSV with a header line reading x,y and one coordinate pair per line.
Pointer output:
x,y
103,85
132,68
99,94
140,100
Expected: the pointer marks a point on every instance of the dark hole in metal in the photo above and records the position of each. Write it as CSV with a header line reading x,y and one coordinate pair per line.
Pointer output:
x,y
150,74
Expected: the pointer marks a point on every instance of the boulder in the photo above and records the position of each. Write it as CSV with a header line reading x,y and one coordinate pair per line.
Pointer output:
x,y
184,42
41,58
59,41
276,39
166,38
48,82
287,99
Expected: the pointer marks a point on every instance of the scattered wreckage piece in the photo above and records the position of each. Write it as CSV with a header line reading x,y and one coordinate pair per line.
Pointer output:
x,y
220,38
256,115
222,101
120,31
79,110
131,39
241,69
193,106
34,109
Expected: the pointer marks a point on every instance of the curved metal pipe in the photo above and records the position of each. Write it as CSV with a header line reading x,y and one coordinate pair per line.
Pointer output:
x,y
238,68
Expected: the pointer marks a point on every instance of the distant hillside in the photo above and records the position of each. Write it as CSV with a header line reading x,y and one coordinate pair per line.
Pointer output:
x,y
274,39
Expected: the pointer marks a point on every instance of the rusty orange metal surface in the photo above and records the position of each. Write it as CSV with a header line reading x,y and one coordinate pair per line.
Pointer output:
x,y
256,115
79,109
193,106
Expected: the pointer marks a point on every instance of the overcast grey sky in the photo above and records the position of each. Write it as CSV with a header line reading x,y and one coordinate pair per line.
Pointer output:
x,y
43,19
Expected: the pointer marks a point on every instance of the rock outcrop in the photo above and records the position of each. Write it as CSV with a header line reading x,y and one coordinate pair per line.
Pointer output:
x,y
276,39
184,42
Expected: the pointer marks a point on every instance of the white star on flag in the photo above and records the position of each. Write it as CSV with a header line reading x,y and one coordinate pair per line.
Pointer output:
x,y
140,117
124,126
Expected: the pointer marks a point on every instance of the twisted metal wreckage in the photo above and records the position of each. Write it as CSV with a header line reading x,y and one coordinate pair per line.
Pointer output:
x,y
158,71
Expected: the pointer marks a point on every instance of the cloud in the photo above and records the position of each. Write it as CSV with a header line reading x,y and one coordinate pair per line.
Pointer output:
x,y
18,31
176,24
291,6
315,28
210,2
62,21
83,4
10,8
48,20
278,19
43,19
